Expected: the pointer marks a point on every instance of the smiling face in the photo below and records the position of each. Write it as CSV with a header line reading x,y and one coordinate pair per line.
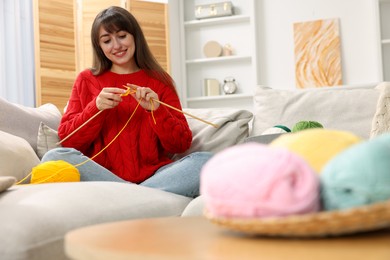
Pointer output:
x,y
119,48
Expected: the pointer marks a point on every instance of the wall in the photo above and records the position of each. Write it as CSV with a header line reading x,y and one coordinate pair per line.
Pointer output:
x,y
360,47
359,32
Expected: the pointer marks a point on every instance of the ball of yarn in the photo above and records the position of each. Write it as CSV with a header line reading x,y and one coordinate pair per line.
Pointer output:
x,y
278,129
358,176
302,125
317,146
255,180
54,171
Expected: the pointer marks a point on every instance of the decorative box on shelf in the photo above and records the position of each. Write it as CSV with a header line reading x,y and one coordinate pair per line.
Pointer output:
x,y
213,10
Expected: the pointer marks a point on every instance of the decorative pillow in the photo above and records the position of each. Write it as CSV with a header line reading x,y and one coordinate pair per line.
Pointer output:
x,y
47,139
343,108
233,129
381,120
17,158
6,182
24,121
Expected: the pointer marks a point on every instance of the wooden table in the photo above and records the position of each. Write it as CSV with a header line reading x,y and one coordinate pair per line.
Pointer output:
x,y
197,238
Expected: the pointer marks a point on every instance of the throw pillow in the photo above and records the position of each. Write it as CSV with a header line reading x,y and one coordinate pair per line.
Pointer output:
x,y
381,120
17,158
233,129
342,108
47,139
24,121
6,182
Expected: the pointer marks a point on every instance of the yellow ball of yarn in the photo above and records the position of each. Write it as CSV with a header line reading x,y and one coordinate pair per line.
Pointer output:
x,y
54,171
317,145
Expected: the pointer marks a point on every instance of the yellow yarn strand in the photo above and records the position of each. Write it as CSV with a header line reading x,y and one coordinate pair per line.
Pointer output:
x,y
54,171
116,136
152,105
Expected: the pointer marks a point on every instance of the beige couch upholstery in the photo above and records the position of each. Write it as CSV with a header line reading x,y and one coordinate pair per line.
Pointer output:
x,y
35,218
359,109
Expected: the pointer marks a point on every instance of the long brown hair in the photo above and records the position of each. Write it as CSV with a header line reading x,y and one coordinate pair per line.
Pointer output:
x,y
115,19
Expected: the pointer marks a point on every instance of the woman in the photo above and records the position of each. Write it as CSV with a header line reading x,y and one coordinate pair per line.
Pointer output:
x,y
141,153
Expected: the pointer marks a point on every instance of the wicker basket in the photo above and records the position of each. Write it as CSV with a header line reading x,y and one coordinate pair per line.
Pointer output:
x,y
326,223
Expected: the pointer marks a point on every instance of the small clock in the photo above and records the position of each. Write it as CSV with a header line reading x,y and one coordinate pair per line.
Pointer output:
x,y
229,86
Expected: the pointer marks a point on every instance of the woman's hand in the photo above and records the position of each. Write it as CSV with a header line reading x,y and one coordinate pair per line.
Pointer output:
x,y
109,98
147,96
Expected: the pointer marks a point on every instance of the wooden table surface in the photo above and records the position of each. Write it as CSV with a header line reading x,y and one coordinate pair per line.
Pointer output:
x,y
197,238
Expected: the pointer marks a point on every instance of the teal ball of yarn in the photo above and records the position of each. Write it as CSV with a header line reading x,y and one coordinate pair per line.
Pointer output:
x,y
359,175
302,125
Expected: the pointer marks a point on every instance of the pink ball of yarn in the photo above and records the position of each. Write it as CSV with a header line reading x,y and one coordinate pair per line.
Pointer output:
x,y
256,180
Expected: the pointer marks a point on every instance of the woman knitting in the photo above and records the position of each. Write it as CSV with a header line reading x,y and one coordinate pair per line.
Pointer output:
x,y
141,153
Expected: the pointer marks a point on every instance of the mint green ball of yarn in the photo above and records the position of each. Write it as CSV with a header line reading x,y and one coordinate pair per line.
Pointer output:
x,y
302,125
359,175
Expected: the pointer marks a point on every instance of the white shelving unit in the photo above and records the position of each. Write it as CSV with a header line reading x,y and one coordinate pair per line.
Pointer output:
x,y
384,13
239,31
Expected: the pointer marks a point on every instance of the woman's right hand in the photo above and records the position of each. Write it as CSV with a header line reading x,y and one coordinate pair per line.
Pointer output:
x,y
109,98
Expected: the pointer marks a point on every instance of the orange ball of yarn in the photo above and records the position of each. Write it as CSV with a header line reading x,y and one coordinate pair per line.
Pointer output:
x,y
54,171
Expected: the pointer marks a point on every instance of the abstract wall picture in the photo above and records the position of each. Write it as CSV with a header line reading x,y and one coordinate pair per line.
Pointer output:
x,y
317,53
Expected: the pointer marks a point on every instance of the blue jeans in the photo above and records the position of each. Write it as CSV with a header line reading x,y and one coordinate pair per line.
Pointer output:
x,y
181,177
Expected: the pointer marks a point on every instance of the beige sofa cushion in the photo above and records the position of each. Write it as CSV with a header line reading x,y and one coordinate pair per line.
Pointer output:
x,y
35,218
6,182
24,121
17,157
47,139
232,128
341,108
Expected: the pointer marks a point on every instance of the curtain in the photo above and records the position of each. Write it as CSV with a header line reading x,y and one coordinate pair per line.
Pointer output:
x,y
17,83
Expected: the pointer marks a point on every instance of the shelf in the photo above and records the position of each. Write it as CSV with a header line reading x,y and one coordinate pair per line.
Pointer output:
x,y
237,30
243,101
218,59
386,41
217,21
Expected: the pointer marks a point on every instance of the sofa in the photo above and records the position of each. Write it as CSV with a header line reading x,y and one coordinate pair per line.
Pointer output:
x,y
35,217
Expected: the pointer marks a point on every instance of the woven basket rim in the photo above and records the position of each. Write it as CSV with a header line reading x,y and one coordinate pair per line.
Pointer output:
x,y
324,223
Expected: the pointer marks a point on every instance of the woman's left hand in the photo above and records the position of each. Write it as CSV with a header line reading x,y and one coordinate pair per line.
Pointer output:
x,y
147,96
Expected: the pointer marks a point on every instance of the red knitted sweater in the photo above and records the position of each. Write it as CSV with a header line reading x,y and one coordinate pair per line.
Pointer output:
x,y
143,146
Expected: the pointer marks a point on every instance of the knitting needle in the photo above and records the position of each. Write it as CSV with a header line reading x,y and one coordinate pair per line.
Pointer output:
x,y
188,114
78,128
125,94
86,122
178,110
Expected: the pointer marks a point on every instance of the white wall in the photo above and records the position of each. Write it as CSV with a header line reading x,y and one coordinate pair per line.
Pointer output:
x,y
359,35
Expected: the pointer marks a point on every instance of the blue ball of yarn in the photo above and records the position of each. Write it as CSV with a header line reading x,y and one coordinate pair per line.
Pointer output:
x,y
358,176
